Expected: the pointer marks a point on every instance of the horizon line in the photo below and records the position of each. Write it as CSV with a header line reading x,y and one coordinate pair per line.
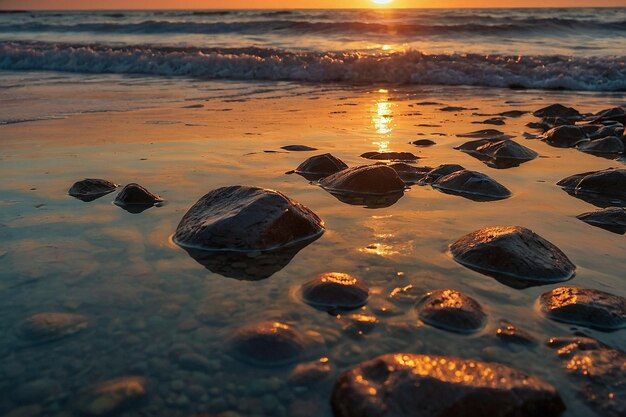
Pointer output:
x,y
306,8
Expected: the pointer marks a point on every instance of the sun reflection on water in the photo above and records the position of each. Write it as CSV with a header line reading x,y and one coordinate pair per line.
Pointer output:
x,y
382,120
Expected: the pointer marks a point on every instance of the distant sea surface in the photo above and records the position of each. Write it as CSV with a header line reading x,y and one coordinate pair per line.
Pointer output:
x,y
572,49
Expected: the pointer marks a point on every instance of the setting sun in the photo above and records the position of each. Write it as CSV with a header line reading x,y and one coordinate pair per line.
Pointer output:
x,y
381,2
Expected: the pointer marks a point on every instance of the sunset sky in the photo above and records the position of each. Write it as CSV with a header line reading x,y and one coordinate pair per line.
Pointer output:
x,y
279,4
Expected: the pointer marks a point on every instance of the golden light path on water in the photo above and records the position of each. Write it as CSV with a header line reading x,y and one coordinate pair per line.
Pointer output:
x,y
382,120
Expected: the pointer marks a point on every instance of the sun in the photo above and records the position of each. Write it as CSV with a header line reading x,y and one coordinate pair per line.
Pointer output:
x,y
381,2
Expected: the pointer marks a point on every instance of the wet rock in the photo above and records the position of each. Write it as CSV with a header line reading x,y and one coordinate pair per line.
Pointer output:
x,y
439,172
600,131
510,333
565,136
597,369
602,188
320,166
423,142
405,295
407,385
46,327
558,110
113,396
514,113
585,307
135,198
359,324
451,310
612,219
548,123
298,148
472,185
408,173
334,291
267,344
390,156
497,121
513,255
606,145
616,114
243,218
90,189
310,373
498,153
454,109
485,134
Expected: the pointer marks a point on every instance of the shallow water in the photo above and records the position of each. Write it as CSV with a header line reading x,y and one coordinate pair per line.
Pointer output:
x,y
147,299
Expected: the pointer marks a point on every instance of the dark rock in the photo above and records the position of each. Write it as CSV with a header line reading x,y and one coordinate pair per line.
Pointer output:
x,y
498,153
454,109
558,110
513,255
298,148
410,385
267,344
514,113
616,114
439,172
320,166
497,121
585,307
194,106
600,131
451,310
565,136
90,189
405,295
390,156
408,173
602,188
310,373
597,369
243,218
359,324
112,397
472,185
548,123
509,333
485,134
134,198
612,219
334,291
46,327
606,145
423,142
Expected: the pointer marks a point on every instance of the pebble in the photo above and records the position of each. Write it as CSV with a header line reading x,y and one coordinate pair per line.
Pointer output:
x,y
451,310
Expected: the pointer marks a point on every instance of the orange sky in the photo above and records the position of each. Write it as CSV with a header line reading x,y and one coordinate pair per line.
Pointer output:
x,y
279,4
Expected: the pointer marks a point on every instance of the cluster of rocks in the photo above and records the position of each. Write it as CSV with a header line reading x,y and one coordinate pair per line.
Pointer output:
x,y
133,197
496,149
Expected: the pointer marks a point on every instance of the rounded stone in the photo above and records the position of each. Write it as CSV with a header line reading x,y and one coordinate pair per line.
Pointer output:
x,y
310,373
558,110
136,195
616,114
113,396
514,255
498,153
242,218
298,148
439,172
368,179
320,166
423,142
267,344
566,136
607,145
510,333
585,307
359,324
472,185
484,134
405,295
602,188
408,385
451,310
390,156
612,219
408,173
334,291
90,189
45,327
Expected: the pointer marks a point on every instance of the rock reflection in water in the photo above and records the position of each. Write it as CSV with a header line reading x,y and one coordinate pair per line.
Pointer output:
x,y
367,200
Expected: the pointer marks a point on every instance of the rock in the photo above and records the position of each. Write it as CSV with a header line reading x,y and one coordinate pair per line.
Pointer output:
x,y
135,198
498,153
585,307
310,373
408,173
439,172
454,109
90,189
514,113
606,145
472,185
597,369
451,310
513,255
320,166
409,385
405,295
267,344
242,218
548,123
497,121
612,219
332,291
113,396
359,324
602,188
565,136
601,131
390,156
194,106
423,142
298,148
46,327
509,333
485,134
616,114
558,110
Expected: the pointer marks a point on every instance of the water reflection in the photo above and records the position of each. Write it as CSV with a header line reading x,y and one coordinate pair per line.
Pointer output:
x,y
367,200
382,120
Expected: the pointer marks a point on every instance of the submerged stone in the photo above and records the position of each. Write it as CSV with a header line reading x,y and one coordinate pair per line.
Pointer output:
x,y
472,185
298,148
243,218
565,136
513,255
585,307
558,110
113,396
510,333
334,291
135,198
359,324
612,219
498,121
423,142
390,156
46,327
451,310
439,172
320,166
485,134
405,295
605,145
602,188
409,385
498,153
310,373
90,189
267,344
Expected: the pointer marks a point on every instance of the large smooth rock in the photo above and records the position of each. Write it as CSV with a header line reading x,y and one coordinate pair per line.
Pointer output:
x,y
90,189
558,110
602,188
616,114
601,131
412,385
485,134
585,307
408,173
565,136
46,327
243,218
513,255
112,397
451,310
390,156
438,172
320,166
611,145
498,153
472,185
332,291
597,369
612,219
134,198
267,344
